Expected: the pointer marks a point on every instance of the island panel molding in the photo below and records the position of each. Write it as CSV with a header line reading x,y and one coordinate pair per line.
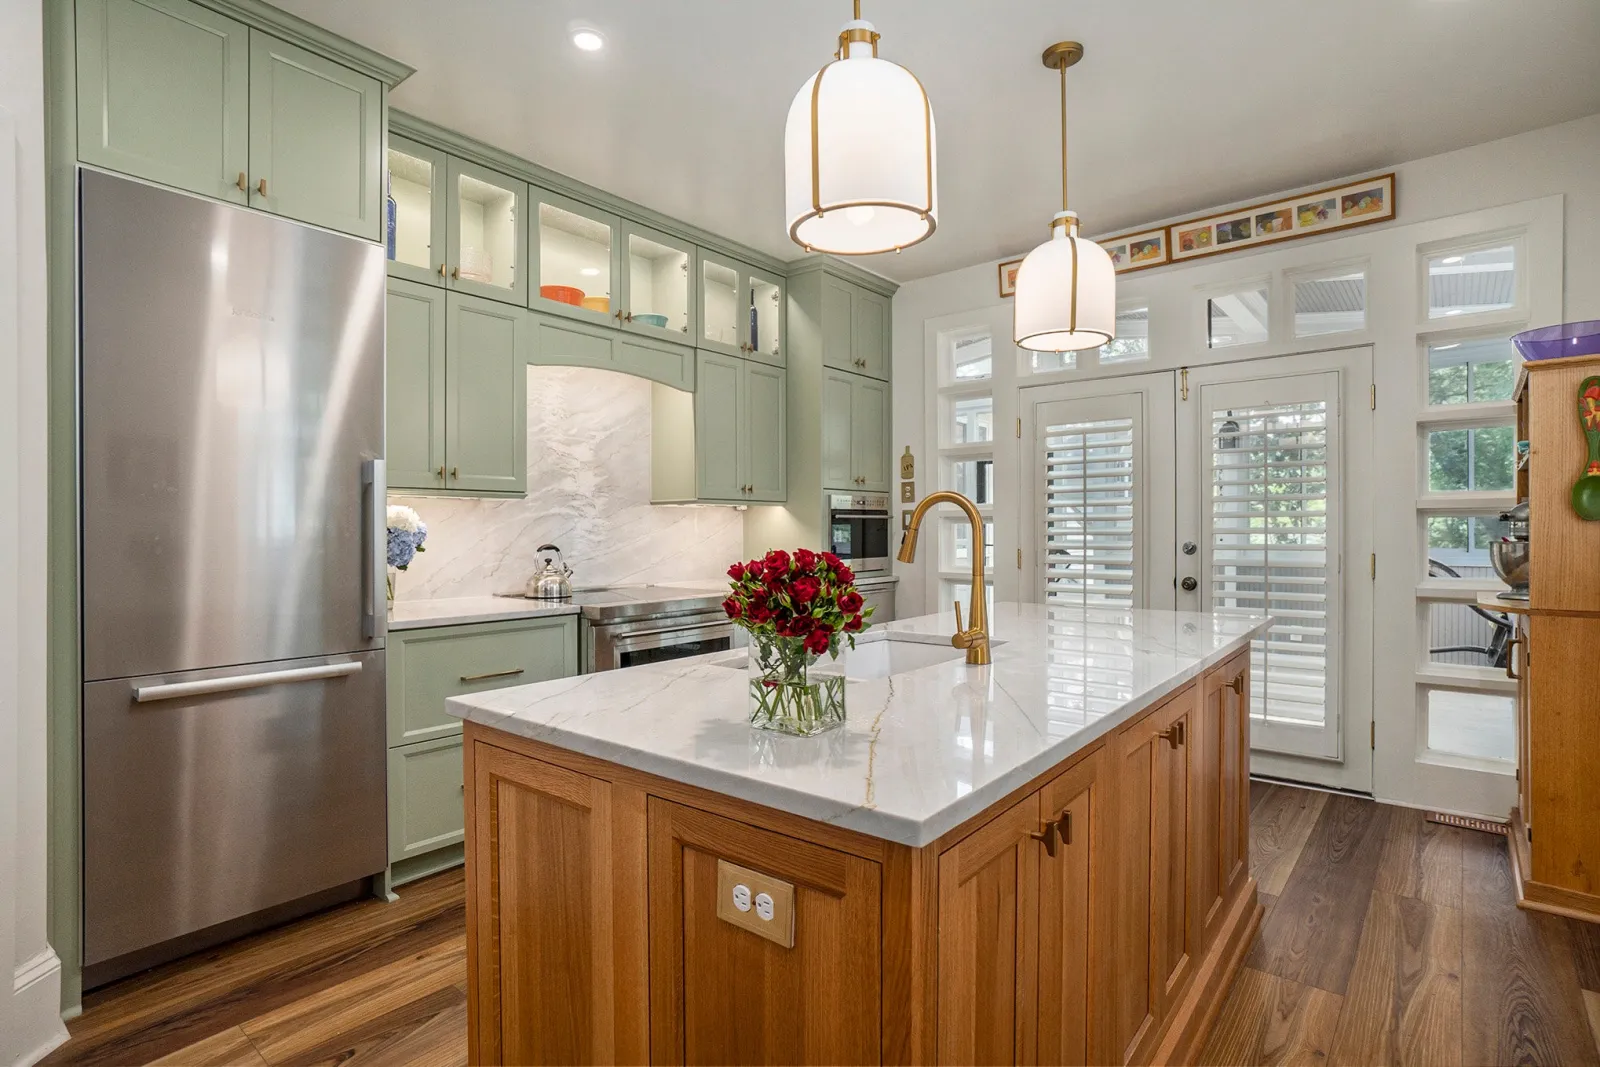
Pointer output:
x,y
893,956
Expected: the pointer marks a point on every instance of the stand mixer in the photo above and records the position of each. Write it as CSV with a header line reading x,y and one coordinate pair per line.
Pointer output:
x,y
1510,554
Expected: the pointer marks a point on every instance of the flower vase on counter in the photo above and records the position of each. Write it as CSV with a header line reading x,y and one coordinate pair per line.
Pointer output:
x,y
796,609
407,531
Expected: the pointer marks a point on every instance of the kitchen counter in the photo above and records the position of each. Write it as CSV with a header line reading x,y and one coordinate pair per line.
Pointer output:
x,y
459,611
921,751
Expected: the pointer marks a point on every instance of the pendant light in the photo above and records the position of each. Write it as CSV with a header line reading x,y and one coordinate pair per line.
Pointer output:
x,y
859,171
1066,290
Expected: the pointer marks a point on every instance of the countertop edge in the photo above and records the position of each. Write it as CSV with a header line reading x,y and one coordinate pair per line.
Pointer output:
x,y
864,820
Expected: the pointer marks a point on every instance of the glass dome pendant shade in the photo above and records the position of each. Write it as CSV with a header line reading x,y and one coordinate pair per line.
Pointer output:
x,y
860,173
1066,289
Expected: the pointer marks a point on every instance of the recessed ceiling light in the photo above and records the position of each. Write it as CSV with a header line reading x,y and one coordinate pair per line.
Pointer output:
x,y
588,39
590,272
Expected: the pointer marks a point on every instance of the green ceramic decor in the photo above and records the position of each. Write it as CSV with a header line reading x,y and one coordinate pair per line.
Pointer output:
x,y
1586,491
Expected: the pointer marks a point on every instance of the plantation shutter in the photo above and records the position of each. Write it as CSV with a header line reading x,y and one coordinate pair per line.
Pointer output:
x,y
1089,520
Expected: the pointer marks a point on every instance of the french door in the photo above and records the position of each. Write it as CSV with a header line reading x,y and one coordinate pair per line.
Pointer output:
x,y
1230,489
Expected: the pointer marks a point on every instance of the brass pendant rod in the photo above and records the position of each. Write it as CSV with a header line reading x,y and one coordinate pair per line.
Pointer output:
x,y
1063,137
858,10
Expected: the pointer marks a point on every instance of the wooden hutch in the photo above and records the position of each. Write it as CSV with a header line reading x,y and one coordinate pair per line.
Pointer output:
x,y
1555,828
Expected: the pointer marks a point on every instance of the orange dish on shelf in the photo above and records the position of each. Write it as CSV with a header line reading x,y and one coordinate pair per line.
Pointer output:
x,y
565,294
601,304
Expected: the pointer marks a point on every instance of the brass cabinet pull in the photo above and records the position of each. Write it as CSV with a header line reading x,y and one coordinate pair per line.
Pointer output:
x,y
1046,835
1236,683
455,472
1173,735
491,674
441,472
1064,827
261,187
243,188
455,272
628,317
441,270
1511,658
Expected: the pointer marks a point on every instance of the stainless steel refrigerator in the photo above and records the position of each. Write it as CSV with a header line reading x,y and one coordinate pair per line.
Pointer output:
x,y
231,385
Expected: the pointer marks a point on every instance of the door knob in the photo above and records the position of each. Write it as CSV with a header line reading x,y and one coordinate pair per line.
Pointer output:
x,y
1189,585
455,272
1189,548
441,270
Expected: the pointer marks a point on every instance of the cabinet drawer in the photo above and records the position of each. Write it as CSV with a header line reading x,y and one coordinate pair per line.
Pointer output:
x,y
426,797
426,667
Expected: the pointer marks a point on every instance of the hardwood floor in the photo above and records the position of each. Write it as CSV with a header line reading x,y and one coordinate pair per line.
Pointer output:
x,y
1387,940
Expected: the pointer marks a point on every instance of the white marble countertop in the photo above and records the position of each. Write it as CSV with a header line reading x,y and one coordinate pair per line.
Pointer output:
x,y
921,751
458,611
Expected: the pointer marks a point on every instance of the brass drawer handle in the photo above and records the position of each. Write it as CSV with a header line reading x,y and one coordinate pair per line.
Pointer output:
x,y
1046,835
1064,827
243,188
1173,735
441,472
261,187
491,674
1511,658
1236,683
441,270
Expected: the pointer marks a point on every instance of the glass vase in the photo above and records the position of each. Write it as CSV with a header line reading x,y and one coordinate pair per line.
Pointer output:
x,y
792,690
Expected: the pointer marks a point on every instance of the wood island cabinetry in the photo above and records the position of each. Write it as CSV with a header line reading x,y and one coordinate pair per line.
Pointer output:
x,y
1094,915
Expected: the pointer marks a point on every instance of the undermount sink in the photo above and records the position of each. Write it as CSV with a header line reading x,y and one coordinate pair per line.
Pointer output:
x,y
878,659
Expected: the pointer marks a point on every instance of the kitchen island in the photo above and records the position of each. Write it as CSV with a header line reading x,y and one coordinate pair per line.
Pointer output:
x,y
1042,859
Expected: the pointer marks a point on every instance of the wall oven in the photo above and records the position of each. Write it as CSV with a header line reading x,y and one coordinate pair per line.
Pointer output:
x,y
858,530
609,645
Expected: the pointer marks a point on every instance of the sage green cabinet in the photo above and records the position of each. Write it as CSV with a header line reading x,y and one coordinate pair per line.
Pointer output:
x,y
425,668
561,342
577,260
855,432
417,180
316,139
414,401
729,291
164,94
725,443
657,290
172,92
487,234
854,328
486,389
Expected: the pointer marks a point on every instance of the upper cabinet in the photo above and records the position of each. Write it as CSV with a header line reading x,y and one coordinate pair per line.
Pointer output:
x,y
742,309
576,255
172,92
487,244
316,136
416,230
656,286
855,328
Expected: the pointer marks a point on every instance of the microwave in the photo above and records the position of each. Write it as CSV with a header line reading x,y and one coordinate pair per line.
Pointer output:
x,y
858,530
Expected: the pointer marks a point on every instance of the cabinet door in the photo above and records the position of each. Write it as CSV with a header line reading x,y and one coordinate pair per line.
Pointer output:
x,y
766,297
486,240
576,251
723,994
414,399
164,94
763,441
718,405
657,290
1070,916
425,798
540,902
838,393
486,389
1520,655
1220,767
316,139
869,326
838,334
988,941
416,231
869,435
724,315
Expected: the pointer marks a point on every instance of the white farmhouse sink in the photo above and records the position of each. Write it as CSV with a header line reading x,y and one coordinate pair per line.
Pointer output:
x,y
877,659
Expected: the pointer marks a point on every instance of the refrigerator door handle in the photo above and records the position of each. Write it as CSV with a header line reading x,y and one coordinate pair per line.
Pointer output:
x,y
144,694
374,483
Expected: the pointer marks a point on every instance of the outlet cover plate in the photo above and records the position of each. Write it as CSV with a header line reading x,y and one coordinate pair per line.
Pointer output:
x,y
780,928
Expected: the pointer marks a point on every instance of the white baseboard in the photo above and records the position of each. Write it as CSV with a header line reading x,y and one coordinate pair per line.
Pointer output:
x,y
36,995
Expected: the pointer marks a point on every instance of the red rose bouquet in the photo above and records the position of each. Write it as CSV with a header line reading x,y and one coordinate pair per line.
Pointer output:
x,y
796,607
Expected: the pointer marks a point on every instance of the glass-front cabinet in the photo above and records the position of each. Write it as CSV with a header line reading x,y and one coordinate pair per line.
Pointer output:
x,y
414,211
741,309
488,243
657,284
575,252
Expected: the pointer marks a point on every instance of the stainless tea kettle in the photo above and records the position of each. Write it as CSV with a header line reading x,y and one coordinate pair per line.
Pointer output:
x,y
553,579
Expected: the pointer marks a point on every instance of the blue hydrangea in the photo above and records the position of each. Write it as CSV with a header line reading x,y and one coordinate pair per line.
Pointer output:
x,y
405,544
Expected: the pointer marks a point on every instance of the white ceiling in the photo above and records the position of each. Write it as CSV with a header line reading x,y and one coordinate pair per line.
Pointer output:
x,y
1177,106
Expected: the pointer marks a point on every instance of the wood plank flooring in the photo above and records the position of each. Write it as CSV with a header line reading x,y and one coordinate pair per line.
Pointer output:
x,y
1387,940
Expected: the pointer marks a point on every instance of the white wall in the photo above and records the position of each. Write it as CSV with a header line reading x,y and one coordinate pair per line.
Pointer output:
x,y
30,973
1563,159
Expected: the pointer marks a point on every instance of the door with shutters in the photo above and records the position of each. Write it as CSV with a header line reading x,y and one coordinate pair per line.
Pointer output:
x,y
1276,455
1101,492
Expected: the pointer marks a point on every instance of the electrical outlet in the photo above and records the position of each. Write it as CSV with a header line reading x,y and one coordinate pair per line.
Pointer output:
x,y
756,902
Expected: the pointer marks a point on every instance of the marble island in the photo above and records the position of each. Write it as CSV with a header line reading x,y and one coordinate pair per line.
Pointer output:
x,y
1041,859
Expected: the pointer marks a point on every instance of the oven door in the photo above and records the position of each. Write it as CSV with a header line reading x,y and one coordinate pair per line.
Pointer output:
x,y
658,640
861,539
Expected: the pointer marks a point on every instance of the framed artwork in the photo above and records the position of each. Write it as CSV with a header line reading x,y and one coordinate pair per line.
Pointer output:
x,y
1339,207
1008,276
1137,251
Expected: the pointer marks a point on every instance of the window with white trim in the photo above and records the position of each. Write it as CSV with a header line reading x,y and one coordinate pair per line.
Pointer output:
x,y
965,461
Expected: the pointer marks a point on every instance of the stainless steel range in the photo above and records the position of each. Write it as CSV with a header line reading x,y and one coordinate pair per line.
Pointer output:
x,y
626,625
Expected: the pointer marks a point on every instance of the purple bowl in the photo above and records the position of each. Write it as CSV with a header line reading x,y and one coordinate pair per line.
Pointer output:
x,y
1552,342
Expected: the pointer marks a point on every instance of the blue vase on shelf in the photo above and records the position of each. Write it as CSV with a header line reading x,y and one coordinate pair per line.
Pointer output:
x,y
388,213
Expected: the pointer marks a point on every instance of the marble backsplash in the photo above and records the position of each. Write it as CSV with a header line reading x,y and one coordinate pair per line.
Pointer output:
x,y
588,491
